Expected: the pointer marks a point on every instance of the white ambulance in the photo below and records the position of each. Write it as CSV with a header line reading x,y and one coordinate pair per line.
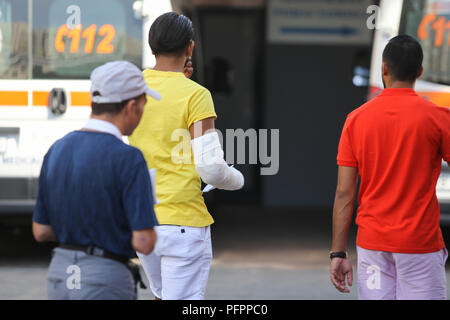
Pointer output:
x,y
429,22
48,49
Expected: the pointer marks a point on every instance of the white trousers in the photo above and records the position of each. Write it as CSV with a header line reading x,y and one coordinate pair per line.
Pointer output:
x,y
178,267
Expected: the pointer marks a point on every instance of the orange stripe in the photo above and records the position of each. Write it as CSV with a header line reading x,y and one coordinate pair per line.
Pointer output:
x,y
40,98
13,98
80,99
441,99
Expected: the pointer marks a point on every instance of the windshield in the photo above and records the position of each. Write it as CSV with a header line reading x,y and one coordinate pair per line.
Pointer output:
x,y
429,22
72,37
13,39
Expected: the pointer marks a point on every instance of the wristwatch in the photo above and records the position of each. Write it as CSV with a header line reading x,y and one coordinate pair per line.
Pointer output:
x,y
338,254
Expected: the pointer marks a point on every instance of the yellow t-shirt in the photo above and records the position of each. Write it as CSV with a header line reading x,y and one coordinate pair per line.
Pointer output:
x,y
164,139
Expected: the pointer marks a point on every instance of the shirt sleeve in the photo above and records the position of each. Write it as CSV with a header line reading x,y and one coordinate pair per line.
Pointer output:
x,y
201,106
137,197
445,137
346,156
40,213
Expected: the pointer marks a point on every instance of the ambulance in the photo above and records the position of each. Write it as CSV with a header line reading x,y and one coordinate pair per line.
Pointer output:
x,y
48,49
429,22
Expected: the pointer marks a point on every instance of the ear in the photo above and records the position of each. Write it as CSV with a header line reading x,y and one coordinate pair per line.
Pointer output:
x,y
190,48
420,72
129,107
384,69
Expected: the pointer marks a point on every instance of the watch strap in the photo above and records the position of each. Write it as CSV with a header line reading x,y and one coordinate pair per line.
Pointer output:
x,y
338,254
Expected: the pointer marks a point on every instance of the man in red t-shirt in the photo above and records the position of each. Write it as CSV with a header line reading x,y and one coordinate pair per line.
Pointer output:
x,y
395,143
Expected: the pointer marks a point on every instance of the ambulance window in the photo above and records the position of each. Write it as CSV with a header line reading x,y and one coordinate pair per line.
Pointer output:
x,y
13,39
429,21
72,37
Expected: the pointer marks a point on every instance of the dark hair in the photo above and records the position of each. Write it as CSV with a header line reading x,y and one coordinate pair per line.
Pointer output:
x,y
403,56
112,108
171,33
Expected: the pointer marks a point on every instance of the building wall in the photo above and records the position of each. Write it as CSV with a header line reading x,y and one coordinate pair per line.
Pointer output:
x,y
308,93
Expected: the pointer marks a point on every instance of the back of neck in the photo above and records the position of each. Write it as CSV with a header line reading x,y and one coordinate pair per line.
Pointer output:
x,y
401,84
171,64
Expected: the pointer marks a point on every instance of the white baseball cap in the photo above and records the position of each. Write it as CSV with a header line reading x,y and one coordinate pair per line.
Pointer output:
x,y
118,81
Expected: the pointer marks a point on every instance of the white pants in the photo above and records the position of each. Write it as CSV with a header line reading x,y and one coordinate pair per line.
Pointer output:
x,y
178,267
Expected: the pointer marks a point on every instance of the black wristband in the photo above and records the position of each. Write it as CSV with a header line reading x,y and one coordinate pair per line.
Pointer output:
x,y
342,255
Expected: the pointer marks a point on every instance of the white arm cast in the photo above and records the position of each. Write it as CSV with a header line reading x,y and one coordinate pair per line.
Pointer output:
x,y
211,166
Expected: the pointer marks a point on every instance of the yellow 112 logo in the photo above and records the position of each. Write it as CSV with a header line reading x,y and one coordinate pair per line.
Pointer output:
x,y
75,34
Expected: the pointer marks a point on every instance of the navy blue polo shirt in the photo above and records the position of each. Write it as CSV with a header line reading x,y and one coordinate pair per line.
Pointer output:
x,y
94,190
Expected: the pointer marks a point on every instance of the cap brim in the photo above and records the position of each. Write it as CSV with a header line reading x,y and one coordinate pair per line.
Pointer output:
x,y
153,93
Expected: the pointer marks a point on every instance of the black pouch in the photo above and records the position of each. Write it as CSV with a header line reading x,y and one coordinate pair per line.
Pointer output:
x,y
136,273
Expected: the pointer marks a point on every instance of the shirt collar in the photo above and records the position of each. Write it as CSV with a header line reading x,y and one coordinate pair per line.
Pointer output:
x,y
103,126
398,92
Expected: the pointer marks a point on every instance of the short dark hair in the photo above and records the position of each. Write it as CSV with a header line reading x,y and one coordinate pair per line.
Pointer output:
x,y
111,108
403,56
171,33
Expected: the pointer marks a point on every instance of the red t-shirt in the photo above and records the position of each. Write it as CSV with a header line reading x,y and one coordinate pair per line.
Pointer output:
x,y
397,141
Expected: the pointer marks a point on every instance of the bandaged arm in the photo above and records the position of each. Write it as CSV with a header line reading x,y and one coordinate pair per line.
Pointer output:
x,y
211,166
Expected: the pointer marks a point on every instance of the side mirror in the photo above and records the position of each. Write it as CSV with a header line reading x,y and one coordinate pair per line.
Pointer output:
x,y
361,68
138,9
361,76
57,101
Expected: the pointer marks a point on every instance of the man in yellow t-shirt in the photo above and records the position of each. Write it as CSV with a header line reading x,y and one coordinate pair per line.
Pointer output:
x,y
177,138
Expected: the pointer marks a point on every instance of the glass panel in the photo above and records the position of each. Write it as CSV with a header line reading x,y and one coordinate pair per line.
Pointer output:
x,y
13,39
429,22
72,37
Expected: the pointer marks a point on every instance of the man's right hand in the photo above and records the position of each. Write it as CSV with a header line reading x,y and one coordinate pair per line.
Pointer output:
x,y
339,270
43,232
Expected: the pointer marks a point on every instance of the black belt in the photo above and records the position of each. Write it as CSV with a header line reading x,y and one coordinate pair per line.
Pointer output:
x,y
94,251
98,252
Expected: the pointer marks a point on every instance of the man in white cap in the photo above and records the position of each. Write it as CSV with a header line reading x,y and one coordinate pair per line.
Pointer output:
x,y
95,196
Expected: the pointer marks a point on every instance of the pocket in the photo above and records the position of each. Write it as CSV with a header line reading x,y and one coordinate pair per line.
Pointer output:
x,y
198,241
56,289
444,255
208,233
193,234
171,241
